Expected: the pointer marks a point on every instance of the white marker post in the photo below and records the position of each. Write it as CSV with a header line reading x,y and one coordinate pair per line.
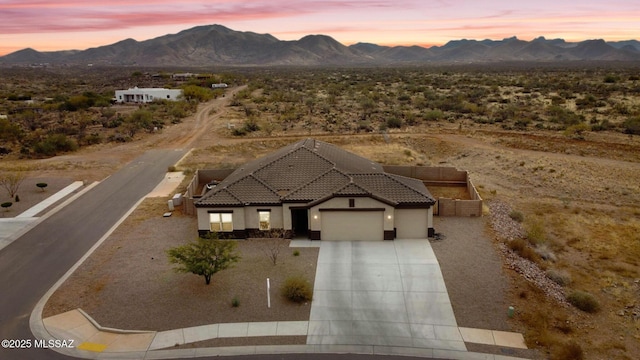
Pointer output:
x,y
268,294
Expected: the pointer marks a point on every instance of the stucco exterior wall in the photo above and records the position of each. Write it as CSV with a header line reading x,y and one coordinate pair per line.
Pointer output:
x,y
252,221
238,217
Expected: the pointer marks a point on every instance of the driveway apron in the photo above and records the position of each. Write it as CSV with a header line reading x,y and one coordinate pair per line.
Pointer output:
x,y
388,293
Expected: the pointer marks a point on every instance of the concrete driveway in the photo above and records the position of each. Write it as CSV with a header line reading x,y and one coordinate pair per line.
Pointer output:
x,y
389,293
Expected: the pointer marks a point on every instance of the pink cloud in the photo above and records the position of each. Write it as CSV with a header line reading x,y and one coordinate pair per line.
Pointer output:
x,y
28,17
43,23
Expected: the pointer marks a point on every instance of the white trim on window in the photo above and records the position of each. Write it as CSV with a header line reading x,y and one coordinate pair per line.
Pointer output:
x,y
221,222
264,219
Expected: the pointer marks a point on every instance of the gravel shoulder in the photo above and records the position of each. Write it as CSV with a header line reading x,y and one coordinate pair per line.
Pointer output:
x,y
473,273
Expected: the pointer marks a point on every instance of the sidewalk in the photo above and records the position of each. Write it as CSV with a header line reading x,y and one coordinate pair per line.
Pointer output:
x,y
38,208
90,340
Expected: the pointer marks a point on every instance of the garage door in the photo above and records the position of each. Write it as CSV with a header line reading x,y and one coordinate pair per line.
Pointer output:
x,y
352,225
411,223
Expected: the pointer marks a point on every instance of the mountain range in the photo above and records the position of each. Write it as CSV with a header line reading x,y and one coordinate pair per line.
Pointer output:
x,y
218,45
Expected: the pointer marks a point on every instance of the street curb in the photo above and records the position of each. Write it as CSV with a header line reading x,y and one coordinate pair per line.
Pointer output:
x,y
112,330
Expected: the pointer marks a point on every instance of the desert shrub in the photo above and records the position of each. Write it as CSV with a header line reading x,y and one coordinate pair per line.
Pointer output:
x,y
632,125
296,252
394,123
559,277
6,205
535,231
41,185
433,115
54,144
577,131
365,125
250,125
516,216
584,301
610,79
235,302
602,126
9,131
92,139
560,115
239,131
567,351
545,252
297,289
523,249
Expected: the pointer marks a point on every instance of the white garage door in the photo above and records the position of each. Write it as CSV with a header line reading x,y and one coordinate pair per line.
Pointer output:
x,y
352,225
411,223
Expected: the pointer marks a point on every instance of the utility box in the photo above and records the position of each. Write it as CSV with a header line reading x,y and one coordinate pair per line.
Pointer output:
x,y
177,199
170,203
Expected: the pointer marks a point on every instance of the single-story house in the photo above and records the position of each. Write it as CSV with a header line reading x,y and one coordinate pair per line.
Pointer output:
x,y
146,95
315,189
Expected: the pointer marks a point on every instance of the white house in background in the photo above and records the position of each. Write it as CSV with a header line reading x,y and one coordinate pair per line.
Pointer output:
x,y
219,86
146,95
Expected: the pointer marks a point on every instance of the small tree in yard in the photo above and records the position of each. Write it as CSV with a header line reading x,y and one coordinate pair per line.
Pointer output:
x,y
41,186
11,182
204,257
272,246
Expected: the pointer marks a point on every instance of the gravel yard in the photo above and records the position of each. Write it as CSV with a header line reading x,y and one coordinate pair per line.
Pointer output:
x,y
128,282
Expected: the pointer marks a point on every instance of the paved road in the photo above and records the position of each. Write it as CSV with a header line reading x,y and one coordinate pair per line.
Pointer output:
x,y
33,263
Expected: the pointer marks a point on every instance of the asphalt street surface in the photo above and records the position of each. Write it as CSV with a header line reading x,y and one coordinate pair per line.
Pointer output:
x,y
33,263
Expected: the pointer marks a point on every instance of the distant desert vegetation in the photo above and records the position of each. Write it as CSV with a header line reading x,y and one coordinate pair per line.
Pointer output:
x,y
50,111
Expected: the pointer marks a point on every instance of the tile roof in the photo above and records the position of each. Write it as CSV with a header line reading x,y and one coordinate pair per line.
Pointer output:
x,y
325,184
311,170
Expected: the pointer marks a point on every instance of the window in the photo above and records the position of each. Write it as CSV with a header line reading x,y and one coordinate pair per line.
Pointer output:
x,y
221,221
352,202
264,217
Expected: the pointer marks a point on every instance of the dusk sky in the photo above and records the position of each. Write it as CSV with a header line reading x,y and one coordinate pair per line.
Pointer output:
x,y
80,24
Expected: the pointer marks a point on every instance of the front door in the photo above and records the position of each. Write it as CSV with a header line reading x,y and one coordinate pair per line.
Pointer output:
x,y
300,222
